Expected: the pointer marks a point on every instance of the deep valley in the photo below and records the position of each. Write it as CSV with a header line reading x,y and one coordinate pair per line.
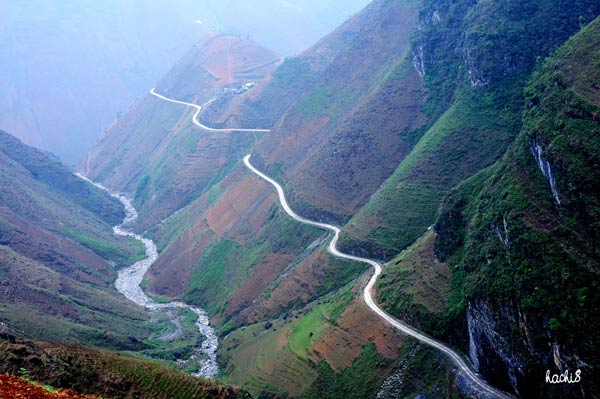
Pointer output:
x,y
408,208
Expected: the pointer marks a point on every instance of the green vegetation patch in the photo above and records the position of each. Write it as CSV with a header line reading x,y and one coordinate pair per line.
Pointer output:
x,y
107,250
367,371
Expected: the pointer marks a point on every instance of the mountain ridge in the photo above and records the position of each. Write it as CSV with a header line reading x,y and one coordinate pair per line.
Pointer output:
x,y
268,283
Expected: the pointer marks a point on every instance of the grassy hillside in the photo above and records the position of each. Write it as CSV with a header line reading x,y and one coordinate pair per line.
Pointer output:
x,y
58,251
102,374
233,251
476,77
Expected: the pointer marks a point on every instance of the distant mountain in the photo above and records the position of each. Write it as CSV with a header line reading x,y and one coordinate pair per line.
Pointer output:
x,y
60,61
286,26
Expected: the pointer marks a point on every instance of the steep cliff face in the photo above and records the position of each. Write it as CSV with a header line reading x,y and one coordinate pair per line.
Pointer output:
x,y
527,238
475,75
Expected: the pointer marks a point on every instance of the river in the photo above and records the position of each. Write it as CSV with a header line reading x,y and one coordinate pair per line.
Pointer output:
x,y
129,280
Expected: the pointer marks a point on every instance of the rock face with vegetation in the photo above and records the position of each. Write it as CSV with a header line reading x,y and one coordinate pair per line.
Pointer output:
x,y
475,58
410,115
525,237
520,239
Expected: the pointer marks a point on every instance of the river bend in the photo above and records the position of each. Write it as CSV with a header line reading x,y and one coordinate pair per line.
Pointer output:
x,y
130,278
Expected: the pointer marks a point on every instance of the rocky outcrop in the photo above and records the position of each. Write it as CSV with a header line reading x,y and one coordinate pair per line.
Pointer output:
x,y
544,165
489,350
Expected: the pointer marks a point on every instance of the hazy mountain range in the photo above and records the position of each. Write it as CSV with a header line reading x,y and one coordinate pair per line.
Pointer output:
x,y
454,142
59,60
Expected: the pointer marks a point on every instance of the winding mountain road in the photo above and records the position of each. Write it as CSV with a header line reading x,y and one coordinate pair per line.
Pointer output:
x,y
197,122
368,291
477,380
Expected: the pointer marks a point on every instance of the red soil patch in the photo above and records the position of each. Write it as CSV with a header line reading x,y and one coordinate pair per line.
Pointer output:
x,y
15,387
301,283
355,327
264,273
244,201
227,56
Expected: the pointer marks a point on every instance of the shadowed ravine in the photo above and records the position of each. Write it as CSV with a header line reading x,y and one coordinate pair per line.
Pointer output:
x,y
129,280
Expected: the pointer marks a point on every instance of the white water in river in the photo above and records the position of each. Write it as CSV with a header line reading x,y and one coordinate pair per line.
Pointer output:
x,y
129,280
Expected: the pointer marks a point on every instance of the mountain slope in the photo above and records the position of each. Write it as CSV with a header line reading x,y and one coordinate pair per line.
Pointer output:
x,y
228,215
477,74
375,125
521,239
231,249
56,242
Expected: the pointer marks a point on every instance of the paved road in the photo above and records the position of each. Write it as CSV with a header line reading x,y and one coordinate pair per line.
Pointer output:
x,y
368,297
197,113
332,248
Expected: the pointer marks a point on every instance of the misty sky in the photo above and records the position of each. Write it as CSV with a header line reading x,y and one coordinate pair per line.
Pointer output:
x,y
70,67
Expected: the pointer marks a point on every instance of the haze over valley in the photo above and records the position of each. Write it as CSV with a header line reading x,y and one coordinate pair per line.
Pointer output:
x,y
300,199
60,60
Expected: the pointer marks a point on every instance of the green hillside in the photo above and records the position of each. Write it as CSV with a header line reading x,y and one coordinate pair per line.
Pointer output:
x,y
521,239
476,75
